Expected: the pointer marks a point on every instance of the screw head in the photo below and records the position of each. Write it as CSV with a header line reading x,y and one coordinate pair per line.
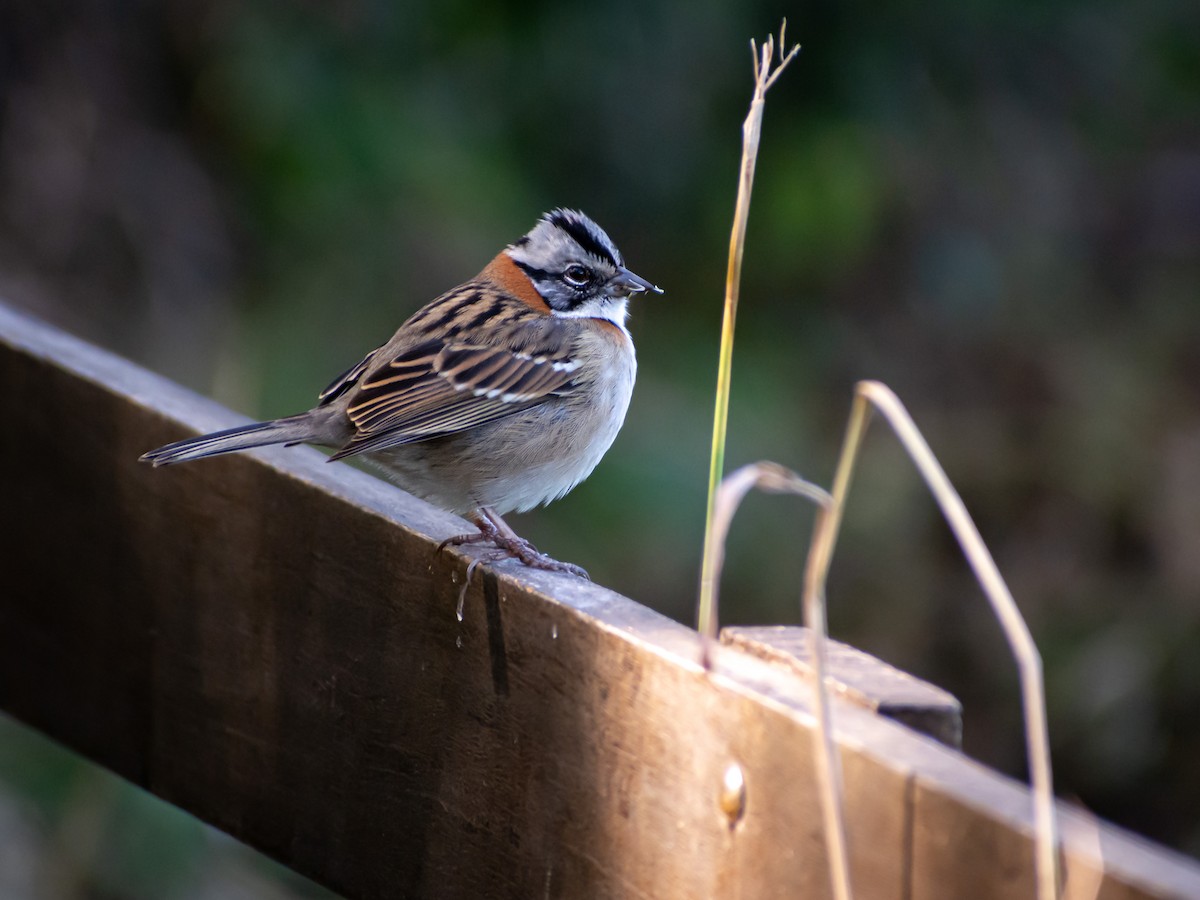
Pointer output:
x,y
733,793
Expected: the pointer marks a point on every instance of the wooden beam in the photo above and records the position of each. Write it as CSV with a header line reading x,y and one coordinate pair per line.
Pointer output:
x,y
858,678
270,643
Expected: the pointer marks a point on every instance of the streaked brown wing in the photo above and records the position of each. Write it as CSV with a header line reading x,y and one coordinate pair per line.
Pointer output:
x,y
435,389
347,379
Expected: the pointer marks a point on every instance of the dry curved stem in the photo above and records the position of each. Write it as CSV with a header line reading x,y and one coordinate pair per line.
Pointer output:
x,y
870,394
773,478
764,76
828,760
766,476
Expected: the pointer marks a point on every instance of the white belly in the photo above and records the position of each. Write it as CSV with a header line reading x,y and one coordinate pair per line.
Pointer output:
x,y
530,457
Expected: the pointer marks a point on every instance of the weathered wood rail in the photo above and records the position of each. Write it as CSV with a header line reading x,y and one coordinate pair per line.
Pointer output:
x,y
270,643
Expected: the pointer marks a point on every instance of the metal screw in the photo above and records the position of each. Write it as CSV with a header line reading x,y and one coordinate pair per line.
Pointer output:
x,y
733,793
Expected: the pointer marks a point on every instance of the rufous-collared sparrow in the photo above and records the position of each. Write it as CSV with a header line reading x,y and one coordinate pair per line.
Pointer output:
x,y
500,395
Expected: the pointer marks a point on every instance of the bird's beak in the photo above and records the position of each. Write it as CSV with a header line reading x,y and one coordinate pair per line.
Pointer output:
x,y
625,283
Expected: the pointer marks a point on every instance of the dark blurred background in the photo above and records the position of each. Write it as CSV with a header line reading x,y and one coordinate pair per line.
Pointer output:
x,y
993,206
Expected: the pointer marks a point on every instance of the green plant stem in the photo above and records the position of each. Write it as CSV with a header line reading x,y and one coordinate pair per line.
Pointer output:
x,y
751,130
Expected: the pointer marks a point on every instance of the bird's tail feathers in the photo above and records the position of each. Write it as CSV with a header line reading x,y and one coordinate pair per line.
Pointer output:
x,y
293,429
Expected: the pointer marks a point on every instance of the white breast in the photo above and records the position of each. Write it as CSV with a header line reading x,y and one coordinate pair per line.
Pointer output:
x,y
573,435
534,456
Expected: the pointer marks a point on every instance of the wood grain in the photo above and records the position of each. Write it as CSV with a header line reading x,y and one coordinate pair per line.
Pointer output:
x,y
858,678
270,642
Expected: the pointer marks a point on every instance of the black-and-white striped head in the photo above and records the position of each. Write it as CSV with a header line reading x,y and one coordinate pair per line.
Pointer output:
x,y
576,267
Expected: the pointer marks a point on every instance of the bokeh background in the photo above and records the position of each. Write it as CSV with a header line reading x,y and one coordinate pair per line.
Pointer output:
x,y
993,206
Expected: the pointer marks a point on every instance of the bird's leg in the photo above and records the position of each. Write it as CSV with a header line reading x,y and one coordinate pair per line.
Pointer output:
x,y
487,531
497,532
508,540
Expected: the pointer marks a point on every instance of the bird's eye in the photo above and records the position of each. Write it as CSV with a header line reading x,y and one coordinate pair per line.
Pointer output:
x,y
577,275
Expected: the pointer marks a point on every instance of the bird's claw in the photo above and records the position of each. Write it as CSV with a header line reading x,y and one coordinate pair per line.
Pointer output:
x,y
511,548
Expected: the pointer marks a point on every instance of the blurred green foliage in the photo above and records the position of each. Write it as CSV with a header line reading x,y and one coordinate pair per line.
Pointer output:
x,y
69,829
992,206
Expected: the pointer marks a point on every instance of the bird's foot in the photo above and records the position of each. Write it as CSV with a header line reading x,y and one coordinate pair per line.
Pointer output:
x,y
510,546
